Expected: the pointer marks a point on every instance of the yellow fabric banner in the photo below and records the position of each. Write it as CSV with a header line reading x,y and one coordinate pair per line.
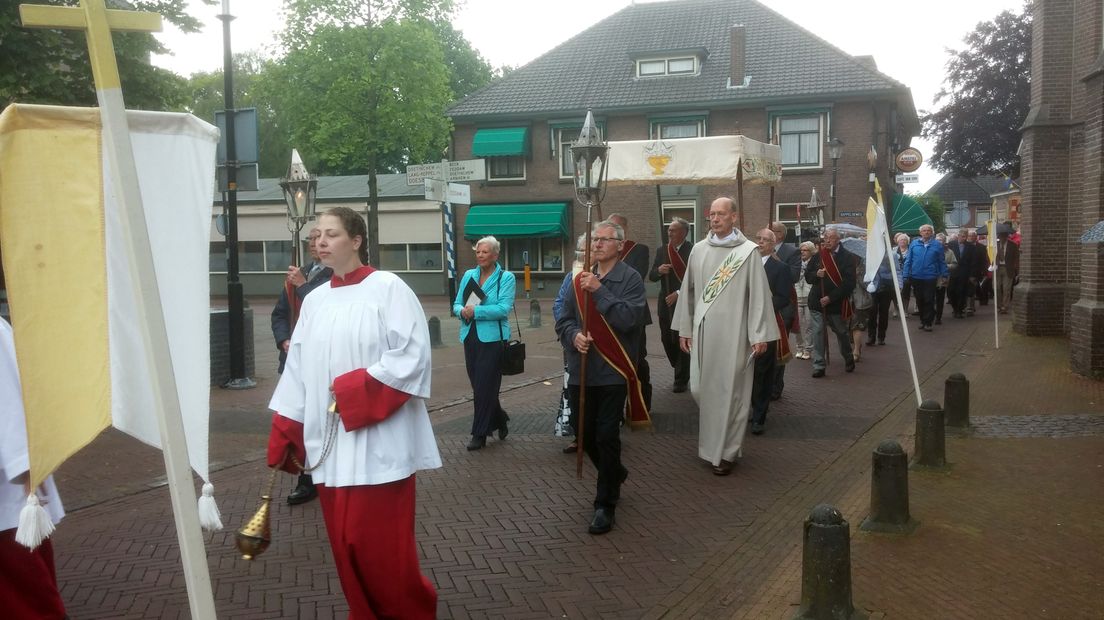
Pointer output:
x,y
52,241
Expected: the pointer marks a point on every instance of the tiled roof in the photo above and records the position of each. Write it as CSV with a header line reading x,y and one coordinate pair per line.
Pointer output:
x,y
973,190
391,186
596,68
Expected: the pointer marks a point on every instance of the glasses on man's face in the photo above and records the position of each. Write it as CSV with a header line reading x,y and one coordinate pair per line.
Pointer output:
x,y
604,239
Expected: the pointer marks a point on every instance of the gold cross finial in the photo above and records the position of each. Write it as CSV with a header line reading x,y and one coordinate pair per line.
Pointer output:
x,y
94,17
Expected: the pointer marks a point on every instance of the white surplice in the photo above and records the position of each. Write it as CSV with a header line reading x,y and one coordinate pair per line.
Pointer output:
x,y
14,460
377,325
723,332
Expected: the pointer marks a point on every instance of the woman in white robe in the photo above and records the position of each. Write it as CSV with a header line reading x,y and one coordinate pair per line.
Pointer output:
x,y
362,343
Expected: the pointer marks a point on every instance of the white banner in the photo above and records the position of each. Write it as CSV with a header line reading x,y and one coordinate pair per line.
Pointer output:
x,y
712,160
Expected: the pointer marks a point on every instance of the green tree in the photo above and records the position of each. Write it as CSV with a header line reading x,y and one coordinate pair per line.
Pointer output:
x,y
934,207
364,99
205,94
309,16
51,66
987,94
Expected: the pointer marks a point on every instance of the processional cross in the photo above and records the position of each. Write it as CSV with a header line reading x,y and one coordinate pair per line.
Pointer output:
x,y
98,21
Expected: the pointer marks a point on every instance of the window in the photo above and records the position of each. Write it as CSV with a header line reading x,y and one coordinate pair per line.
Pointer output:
x,y
564,138
253,256
982,216
657,67
787,213
675,129
411,257
506,168
801,140
544,254
686,209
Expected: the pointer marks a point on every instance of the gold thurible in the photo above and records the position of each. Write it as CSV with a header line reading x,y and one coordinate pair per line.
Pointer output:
x,y
255,536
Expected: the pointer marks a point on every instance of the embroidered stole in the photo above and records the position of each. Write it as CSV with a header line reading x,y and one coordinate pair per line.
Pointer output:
x,y
727,269
611,350
832,270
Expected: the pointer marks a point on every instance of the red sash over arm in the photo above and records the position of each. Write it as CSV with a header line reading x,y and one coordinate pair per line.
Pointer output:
x,y
609,347
782,351
363,400
676,261
626,247
829,263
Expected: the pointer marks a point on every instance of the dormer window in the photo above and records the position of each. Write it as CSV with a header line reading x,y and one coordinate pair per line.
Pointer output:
x,y
674,65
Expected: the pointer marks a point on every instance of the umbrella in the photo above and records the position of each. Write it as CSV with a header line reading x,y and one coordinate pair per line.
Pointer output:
x,y
1094,234
855,246
848,230
998,229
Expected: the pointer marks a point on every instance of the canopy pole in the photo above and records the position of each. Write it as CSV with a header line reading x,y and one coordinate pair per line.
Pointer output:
x,y
901,312
740,194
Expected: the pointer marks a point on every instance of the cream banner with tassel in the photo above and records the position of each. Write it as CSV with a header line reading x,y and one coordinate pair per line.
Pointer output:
x,y
73,299
694,161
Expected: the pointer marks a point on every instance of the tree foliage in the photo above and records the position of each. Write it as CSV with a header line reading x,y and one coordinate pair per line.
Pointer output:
x,y
52,67
306,17
935,208
987,94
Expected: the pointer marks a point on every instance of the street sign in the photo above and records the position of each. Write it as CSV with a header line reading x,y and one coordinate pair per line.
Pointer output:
x,y
455,171
247,177
851,214
245,135
455,193
908,178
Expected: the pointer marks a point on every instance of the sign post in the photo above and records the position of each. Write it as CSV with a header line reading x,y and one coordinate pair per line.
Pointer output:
x,y
436,178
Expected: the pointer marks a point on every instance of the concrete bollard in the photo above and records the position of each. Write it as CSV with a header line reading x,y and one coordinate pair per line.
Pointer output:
x,y
826,567
931,441
435,332
534,313
956,400
889,496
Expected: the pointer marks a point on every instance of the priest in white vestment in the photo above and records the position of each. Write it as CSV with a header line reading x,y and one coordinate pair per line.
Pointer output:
x,y
724,318
361,342
28,583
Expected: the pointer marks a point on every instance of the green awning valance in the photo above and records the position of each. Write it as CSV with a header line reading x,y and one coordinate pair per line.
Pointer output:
x,y
532,219
500,141
908,215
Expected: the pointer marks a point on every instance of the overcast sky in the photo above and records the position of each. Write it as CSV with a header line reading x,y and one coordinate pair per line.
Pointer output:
x,y
908,41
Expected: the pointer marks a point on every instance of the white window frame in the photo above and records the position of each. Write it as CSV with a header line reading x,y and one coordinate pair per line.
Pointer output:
x,y
667,60
658,125
821,125
490,168
537,267
565,137
441,249
670,208
981,212
789,205
264,254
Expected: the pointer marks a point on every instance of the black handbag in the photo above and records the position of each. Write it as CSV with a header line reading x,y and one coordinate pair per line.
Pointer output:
x,y
513,351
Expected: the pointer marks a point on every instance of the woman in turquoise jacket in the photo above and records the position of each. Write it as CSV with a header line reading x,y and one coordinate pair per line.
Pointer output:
x,y
483,303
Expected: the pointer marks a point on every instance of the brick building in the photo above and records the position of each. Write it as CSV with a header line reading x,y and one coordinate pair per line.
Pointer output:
x,y
1062,280
975,193
673,70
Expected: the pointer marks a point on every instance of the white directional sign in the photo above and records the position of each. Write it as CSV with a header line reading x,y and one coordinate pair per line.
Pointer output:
x,y
456,171
908,178
455,193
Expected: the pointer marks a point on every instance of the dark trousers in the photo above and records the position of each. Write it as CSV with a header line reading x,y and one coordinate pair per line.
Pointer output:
x,y
940,301
483,361
602,437
680,361
879,315
925,299
763,384
643,370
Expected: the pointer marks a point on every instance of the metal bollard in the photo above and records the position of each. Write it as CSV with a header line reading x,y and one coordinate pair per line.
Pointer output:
x,y
826,567
534,313
956,400
435,332
889,496
931,441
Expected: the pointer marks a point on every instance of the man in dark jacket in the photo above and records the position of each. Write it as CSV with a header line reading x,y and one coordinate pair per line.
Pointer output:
x,y
303,280
973,263
635,255
781,285
831,272
668,269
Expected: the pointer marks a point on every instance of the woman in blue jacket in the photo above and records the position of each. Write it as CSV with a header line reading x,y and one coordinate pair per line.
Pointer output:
x,y
483,303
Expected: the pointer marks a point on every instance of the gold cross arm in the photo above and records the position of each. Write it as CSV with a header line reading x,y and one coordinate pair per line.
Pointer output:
x,y
95,18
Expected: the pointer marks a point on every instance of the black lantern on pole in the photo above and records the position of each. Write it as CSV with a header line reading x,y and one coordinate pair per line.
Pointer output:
x,y
300,193
590,154
835,151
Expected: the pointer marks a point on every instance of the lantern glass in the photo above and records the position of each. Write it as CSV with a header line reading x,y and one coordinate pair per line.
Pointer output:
x,y
835,148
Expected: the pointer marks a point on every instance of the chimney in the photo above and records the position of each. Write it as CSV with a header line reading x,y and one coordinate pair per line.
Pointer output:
x,y
738,57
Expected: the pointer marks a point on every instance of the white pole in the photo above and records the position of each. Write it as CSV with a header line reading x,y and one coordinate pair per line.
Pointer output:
x,y
996,302
901,312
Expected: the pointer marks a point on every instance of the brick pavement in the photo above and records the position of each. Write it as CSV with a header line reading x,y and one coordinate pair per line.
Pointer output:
x,y
1009,532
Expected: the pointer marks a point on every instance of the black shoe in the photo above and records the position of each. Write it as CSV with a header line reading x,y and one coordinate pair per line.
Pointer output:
x,y
927,328
850,367
602,521
870,342
679,388
757,428
503,430
477,442
624,475
776,396
303,493
570,448
938,321
818,373
881,342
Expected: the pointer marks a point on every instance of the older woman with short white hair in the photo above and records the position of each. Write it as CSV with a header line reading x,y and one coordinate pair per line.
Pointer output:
x,y
483,303
804,336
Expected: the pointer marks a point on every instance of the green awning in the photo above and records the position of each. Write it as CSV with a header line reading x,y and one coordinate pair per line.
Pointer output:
x,y
908,215
531,219
500,141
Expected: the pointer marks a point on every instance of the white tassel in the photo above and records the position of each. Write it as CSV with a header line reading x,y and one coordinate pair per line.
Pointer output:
x,y
209,516
34,524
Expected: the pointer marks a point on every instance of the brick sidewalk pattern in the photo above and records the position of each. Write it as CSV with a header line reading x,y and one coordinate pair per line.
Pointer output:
x,y
1012,530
